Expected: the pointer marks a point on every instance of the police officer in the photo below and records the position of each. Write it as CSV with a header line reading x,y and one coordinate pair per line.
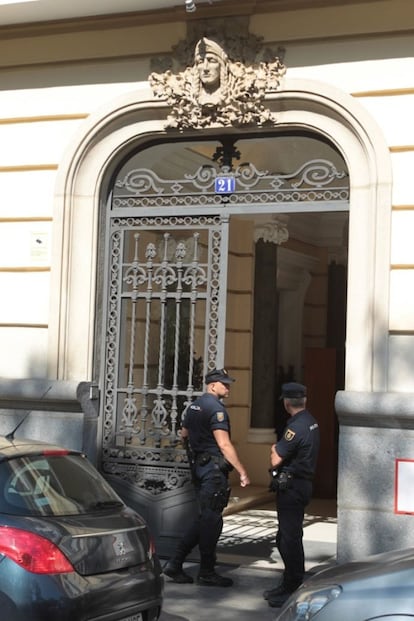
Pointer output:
x,y
293,459
206,427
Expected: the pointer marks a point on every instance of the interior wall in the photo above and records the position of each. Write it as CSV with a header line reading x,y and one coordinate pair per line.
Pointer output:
x,y
239,323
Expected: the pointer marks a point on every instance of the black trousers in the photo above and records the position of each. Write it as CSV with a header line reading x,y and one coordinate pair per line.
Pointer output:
x,y
205,529
291,505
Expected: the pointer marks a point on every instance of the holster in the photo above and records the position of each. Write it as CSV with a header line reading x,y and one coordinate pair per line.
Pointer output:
x,y
223,464
280,480
220,499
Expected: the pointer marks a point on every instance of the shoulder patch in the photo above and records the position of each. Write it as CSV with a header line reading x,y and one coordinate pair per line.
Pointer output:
x,y
289,435
220,416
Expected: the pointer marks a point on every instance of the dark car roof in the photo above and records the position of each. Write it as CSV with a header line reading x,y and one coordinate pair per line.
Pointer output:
x,y
22,446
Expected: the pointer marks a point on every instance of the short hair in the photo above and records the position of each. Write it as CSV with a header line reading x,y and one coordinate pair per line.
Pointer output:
x,y
296,402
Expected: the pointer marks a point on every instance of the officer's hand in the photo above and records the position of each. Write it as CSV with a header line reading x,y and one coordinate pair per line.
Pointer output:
x,y
275,459
244,480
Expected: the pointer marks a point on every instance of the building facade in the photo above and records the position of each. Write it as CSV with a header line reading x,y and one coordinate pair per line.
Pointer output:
x,y
154,226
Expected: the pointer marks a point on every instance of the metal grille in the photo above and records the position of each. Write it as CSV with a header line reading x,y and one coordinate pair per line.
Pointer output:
x,y
162,328
316,181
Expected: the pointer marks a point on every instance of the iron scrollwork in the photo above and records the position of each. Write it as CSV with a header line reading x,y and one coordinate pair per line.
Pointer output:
x,y
315,180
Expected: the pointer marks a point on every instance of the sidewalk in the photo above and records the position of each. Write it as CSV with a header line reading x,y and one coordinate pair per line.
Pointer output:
x,y
247,554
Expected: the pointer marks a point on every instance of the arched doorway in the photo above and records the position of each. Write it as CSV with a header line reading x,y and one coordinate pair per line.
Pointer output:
x,y
172,242
128,125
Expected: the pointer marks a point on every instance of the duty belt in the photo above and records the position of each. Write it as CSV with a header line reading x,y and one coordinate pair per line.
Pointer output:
x,y
292,473
306,477
201,459
204,458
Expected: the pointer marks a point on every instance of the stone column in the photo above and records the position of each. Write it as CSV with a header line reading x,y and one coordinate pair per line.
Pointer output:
x,y
265,329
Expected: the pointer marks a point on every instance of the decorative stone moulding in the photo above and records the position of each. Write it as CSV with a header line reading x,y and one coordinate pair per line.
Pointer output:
x,y
274,231
220,88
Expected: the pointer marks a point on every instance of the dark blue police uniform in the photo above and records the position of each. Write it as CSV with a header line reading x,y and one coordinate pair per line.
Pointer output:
x,y
210,476
299,448
203,416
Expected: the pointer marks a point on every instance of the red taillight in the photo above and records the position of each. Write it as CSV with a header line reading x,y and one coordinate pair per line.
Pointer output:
x,y
52,452
32,552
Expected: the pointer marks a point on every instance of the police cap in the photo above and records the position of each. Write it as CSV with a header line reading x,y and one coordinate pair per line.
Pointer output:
x,y
219,375
292,390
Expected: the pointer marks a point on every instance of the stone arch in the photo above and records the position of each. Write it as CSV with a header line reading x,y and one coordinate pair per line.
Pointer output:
x,y
135,118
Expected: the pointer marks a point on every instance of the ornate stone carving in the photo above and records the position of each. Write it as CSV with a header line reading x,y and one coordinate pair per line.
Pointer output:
x,y
275,231
217,90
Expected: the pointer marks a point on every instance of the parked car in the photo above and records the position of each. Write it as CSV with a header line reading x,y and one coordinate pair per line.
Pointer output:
x,y
70,549
379,587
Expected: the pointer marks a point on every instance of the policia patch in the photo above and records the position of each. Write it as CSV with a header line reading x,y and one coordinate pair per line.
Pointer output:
x,y
220,417
289,435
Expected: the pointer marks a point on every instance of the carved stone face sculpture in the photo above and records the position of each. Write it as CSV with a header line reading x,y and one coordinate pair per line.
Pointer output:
x,y
210,64
209,71
217,90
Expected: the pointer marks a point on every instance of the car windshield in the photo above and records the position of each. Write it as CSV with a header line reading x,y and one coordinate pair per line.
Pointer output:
x,y
53,485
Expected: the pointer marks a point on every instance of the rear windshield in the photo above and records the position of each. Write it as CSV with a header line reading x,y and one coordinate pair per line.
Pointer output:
x,y
53,485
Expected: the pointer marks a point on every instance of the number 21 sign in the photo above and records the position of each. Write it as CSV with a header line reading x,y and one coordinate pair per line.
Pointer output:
x,y
224,185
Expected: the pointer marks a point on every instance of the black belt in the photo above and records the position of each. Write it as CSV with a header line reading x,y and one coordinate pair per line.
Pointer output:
x,y
201,459
304,477
204,458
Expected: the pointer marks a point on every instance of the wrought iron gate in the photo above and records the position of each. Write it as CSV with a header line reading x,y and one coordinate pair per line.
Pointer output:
x,y
164,328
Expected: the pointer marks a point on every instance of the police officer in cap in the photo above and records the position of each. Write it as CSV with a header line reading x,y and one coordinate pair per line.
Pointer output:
x,y
206,427
293,459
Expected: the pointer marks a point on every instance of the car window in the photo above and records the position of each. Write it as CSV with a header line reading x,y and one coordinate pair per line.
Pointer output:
x,y
53,485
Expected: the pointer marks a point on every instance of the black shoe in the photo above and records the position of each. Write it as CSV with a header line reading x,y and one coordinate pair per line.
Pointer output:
x,y
278,603
274,592
177,574
214,579
277,600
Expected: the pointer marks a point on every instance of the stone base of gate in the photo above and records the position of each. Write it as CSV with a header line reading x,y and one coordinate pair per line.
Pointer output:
x,y
166,513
